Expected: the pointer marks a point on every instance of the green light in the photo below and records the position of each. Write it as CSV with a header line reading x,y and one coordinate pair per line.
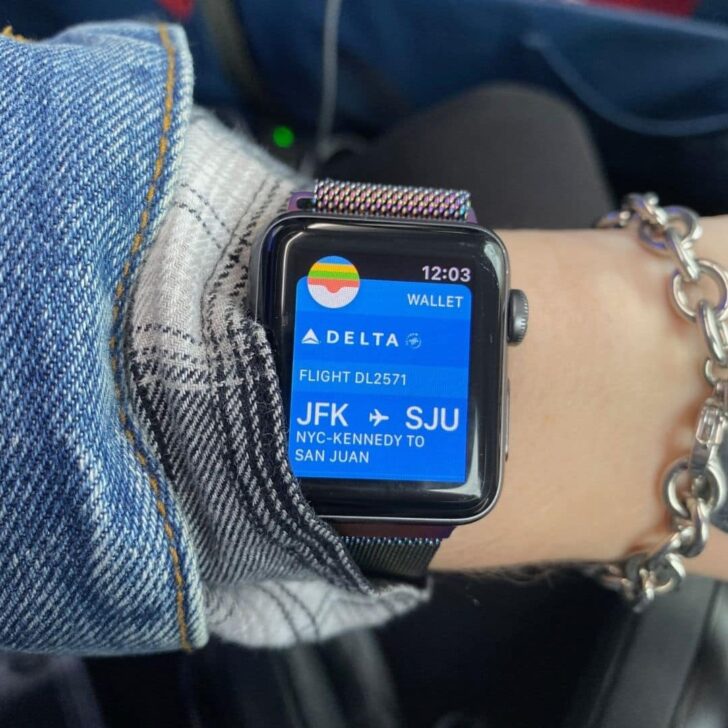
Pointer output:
x,y
283,137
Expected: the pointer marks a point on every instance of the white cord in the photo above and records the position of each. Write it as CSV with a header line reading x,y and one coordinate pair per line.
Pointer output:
x,y
329,82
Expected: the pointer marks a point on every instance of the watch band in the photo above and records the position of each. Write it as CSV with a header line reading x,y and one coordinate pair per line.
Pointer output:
x,y
400,201
392,557
400,557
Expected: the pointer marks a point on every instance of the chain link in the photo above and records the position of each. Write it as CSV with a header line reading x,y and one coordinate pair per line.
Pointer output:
x,y
695,486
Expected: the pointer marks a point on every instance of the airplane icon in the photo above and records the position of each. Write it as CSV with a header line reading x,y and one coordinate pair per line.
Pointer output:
x,y
310,337
376,417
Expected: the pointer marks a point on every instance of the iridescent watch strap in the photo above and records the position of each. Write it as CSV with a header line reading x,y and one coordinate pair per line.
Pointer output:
x,y
400,557
377,200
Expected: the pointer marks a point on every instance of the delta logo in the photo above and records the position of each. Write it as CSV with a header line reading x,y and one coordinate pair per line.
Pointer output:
x,y
333,282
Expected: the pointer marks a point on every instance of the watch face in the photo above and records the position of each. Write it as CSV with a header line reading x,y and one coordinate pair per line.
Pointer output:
x,y
390,343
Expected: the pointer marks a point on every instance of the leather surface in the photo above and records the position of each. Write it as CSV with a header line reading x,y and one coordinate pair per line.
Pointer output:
x,y
666,668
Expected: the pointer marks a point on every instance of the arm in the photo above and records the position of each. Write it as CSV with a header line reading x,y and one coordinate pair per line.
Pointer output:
x,y
145,496
605,394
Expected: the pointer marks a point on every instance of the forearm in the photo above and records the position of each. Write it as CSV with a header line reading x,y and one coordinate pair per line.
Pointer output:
x,y
605,393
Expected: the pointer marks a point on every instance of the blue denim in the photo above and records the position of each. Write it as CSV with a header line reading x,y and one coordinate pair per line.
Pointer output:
x,y
94,553
43,18
145,491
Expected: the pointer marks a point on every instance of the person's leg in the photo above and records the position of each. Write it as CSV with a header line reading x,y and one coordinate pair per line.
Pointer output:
x,y
525,156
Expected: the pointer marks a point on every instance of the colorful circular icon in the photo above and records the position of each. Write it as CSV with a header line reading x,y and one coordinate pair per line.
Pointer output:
x,y
333,282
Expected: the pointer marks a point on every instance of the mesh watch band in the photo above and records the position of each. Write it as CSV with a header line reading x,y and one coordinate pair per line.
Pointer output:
x,y
376,200
404,558
391,556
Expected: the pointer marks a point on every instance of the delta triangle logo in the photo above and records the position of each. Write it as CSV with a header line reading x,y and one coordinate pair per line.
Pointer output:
x,y
310,337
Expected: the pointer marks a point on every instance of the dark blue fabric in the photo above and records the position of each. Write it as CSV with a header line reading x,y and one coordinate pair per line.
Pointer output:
x,y
652,87
651,74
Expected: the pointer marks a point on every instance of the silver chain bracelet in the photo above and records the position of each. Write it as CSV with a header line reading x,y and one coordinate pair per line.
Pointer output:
x,y
693,487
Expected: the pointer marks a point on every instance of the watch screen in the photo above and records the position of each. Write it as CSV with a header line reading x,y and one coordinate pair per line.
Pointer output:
x,y
389,339
380,373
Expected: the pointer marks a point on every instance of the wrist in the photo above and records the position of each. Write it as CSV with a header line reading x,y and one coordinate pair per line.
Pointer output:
x,y
604,396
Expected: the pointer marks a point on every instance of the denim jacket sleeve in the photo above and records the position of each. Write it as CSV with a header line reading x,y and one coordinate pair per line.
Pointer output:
x,y
106,546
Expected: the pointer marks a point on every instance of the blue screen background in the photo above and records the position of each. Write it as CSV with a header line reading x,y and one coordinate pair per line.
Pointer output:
x,y
352,393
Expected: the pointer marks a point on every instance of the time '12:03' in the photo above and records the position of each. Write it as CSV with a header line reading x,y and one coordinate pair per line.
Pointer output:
x,y
447,274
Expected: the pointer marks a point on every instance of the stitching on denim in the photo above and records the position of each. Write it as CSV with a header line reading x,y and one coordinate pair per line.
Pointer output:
x,y
122,288
7,32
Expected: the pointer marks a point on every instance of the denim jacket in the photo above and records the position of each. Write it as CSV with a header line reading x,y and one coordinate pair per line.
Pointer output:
x,y
104,547
91,127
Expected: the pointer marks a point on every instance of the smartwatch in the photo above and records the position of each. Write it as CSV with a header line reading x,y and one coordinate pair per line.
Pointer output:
x,y
389,312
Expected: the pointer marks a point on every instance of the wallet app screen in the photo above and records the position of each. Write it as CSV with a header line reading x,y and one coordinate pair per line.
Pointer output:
x,y
380,376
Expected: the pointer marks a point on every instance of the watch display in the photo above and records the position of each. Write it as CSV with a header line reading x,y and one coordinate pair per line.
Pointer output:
x,y
380,374
389,338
